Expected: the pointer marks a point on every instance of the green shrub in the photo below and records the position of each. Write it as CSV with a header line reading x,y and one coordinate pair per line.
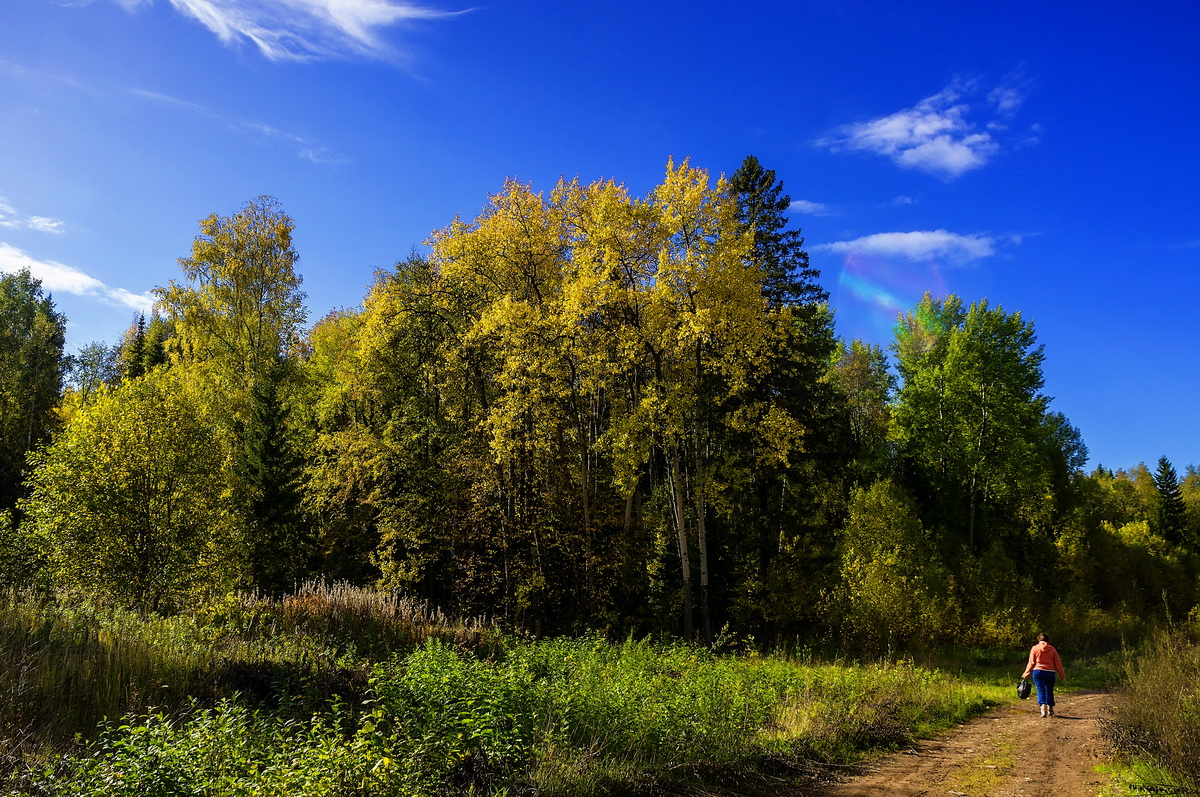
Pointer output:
x,y
232,750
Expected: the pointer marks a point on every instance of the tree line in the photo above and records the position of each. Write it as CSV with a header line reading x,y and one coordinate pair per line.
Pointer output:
x,y
580,409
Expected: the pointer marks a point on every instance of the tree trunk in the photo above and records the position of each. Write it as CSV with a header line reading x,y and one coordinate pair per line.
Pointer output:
x,y
685,563
702,541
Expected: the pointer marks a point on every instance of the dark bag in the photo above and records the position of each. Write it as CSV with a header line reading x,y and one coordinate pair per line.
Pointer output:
x,y
1024,688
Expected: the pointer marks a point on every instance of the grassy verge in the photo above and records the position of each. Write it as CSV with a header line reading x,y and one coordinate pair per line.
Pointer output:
x,y
1156,723
336,692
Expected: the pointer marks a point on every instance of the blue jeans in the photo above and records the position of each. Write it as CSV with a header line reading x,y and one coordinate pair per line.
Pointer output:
x,y
1044,681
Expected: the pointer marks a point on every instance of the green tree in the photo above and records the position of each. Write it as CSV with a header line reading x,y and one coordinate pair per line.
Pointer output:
x,y
20,562
93,369
996,474
126,502
32,367
862,377
970,413
895,588
1171,517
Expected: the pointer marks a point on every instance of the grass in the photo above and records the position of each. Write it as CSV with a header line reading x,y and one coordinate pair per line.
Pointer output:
x,y
65,665
337,691
1156,722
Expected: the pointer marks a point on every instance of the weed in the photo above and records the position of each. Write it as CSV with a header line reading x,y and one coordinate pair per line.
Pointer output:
x,y
338,691
1156,720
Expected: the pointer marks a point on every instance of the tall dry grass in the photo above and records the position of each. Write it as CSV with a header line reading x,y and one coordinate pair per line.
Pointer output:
x,y
1157,715
67,664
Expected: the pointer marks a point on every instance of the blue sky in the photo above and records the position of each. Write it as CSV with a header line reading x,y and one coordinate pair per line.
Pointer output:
x,y
1041,156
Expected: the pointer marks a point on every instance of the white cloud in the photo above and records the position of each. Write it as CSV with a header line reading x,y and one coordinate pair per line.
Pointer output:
x,y
14,220
59,277
935,135
919,246
43,224
304,30
1007,99
811,208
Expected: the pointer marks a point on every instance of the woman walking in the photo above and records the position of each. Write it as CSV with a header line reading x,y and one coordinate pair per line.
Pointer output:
x,y
1043,664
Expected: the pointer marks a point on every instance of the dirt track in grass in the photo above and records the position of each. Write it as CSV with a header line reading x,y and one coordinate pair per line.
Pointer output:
x,y
1007,752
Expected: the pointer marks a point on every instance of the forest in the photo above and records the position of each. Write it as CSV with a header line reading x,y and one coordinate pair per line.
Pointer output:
x,y
586,497
581,410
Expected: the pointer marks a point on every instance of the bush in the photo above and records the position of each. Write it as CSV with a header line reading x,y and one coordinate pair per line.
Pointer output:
x,y
1157,715
232,750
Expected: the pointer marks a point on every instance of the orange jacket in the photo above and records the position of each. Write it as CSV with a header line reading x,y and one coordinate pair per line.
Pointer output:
x,y
1043,656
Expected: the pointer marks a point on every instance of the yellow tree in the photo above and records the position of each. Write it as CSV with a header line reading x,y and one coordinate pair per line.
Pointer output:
x,y
503,273
235,317
699,336
242,302
610,342
123,501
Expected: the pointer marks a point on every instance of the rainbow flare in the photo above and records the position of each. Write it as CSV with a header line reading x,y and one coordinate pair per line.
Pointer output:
x,y
881,290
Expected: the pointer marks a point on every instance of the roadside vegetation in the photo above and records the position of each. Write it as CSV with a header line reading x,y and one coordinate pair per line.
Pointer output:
x,y
1156,724
336,690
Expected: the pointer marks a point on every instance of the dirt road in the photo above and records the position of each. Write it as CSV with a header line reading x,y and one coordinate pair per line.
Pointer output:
x,y
1008,752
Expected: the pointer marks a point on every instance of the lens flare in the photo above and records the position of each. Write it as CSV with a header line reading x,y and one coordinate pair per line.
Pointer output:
x,y
875,291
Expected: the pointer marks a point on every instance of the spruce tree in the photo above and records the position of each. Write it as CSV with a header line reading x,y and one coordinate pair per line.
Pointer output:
x,y
793,505
1172,513
779,250
269,472
131,351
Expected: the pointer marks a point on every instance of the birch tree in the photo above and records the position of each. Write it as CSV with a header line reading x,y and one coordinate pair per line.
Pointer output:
x,y
124,502
235,318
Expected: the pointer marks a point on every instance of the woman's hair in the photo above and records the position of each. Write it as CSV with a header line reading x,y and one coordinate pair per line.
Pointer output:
x,y
1043,637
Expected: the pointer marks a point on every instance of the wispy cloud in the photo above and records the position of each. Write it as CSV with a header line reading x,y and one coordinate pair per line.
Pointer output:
x,y
167,99
305,148
13,220
937,134
59,277
810,208
304,30
942,246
